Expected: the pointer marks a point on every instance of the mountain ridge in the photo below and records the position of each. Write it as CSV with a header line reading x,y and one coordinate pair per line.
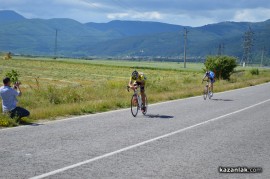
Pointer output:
x,y
124,38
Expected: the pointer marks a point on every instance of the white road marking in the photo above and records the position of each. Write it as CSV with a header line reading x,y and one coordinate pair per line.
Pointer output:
x,y
142,143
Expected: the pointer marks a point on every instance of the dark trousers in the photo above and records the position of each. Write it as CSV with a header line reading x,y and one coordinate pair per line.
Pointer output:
x,y
19,112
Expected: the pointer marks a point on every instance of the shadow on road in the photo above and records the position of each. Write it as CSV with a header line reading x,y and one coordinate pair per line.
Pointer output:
x,y
29,123
221,99
159,116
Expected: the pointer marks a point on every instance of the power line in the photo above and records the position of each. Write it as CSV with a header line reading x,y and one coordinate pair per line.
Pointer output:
x,y
123,5
91,4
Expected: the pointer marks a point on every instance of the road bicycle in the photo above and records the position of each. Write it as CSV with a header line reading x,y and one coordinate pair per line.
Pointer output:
x,y
207,90
136,102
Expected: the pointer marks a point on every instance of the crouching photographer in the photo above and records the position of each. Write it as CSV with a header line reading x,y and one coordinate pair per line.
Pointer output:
x,y
9,99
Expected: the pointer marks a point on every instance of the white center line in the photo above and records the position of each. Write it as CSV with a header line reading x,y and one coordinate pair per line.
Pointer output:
x,y
142,143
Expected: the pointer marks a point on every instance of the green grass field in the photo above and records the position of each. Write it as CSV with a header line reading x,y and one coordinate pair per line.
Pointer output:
x,y
59,88
132,64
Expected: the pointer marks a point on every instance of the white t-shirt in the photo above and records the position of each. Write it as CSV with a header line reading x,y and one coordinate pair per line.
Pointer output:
x,y
9,100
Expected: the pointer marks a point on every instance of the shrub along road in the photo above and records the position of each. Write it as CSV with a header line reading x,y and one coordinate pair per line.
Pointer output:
x,y
187,138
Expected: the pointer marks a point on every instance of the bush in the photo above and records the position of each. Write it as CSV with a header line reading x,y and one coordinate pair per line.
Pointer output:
x,y
222,66
254,71
6,121
13,75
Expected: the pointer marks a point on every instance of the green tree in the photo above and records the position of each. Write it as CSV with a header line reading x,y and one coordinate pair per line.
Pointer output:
x,y
13,75
222,66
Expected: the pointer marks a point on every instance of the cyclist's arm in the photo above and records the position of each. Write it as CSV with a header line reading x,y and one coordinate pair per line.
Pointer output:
x,y
131,84
204,77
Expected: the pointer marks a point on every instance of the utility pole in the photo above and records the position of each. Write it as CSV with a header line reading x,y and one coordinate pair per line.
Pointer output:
x,y
55,44
221,47
219,50
262,57
185,46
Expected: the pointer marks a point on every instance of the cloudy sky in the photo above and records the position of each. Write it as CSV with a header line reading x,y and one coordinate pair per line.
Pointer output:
x,y
182,12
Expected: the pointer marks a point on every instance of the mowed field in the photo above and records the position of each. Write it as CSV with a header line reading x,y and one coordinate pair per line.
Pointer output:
x,y
60,88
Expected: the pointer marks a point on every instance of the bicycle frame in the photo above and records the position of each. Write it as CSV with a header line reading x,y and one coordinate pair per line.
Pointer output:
x,y
207,90
139,97
138,106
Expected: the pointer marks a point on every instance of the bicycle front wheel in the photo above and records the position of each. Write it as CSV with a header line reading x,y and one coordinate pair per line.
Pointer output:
x,y
134,105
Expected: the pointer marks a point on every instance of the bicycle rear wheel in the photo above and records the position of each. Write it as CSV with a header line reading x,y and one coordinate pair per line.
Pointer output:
x,y
134,106
209,95
205,93
145,106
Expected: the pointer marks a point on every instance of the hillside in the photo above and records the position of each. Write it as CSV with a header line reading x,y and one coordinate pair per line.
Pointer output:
x,y
134,28
9,16
124,38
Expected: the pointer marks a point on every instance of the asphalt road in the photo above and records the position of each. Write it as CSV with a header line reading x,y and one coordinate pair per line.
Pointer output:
x,y
187,138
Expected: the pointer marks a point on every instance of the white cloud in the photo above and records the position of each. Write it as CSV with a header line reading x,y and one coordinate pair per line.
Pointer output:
x,y
188,20
117,15
183,12
85,4
251,15
136,15
147,15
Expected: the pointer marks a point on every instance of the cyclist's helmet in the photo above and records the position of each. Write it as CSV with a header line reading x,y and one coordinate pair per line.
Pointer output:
x,y
135,75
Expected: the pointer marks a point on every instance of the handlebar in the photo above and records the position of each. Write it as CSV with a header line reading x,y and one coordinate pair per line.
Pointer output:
x,y
128,87
205,80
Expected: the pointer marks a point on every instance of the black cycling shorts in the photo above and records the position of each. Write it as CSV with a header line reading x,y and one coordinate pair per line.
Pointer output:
x,y
212,80
141,86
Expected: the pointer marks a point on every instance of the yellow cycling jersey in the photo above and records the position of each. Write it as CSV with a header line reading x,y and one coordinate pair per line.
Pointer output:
x,y
141,78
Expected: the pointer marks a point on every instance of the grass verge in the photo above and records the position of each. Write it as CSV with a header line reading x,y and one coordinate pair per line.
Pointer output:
x,y
53,89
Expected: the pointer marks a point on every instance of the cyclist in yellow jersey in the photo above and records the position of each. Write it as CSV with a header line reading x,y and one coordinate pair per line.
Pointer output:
x,y
138,79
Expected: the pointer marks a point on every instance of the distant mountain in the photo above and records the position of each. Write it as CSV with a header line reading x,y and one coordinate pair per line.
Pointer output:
x,y
10,16
126,38
225,28
202,41
134,28
37,36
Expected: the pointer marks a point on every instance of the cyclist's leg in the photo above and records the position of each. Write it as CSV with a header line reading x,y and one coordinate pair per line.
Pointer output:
x,y
142,92
212,85
209,85
211,82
